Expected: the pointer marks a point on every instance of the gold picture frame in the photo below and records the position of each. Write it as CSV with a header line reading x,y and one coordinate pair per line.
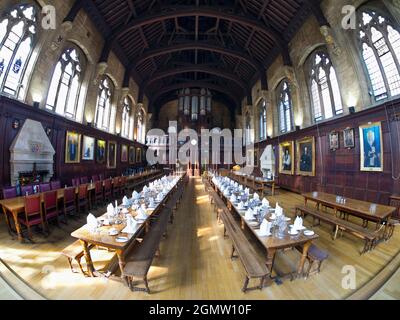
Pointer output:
x,y
305,156
371,147
138,155
286,158
334,140
132,155
101,151
112,155
72,147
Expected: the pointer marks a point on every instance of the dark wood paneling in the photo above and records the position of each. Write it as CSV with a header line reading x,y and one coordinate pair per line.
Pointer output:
x,y
339,171
12,109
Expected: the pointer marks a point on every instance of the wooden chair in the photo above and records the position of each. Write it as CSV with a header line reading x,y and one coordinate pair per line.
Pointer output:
x,y
50,207
45,187
33,214
83,199
98,193
9,193
55,185
69,202
116,187
74,252
27,190
124,185
107,190
315,257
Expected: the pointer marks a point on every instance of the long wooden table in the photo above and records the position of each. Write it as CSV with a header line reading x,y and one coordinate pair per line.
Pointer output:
x,y
365,210
16,206
273,244
103,239
255,183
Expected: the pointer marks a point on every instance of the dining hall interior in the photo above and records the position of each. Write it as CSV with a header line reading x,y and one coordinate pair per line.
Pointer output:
x,y
199,150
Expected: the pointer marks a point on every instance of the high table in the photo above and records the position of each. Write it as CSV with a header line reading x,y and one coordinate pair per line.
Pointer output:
x,y
103,239
256,183
273,244
16,206
365,210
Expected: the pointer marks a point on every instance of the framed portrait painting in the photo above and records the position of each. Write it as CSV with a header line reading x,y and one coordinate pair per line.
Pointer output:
x,y
371,147
88,148
112,155
131,155
124,153
286,158
138,155
348,138
101,151
72,147
306,156
334,141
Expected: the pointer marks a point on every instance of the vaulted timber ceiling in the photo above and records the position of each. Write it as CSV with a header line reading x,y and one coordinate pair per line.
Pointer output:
x,y
223,45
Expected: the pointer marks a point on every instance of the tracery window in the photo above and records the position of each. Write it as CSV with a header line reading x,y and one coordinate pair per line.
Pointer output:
x,y
285,107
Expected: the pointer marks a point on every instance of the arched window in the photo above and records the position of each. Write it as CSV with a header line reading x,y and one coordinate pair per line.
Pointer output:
x,y
17,39
140,126
195,108
379,41
66,83
103,110
285,107
247,137
126,117
324,87
263,121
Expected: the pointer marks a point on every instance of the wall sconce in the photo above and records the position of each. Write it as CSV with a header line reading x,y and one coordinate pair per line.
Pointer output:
x,y
15,124
298,128
89,124
48,131
36,104
269,138
352,110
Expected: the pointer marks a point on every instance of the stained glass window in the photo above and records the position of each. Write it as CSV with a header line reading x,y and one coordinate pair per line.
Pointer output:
x,y
263,120
17,39
380,44
103,110
285,107
325,93
126,117
65,84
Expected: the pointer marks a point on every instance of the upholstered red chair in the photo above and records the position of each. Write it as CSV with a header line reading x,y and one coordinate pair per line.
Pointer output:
x,y
95,178
98,192
69,202
26,190
45,187
55,185
83,198
124,185
9,193
84,180
107,190
33,214
50,207
75,182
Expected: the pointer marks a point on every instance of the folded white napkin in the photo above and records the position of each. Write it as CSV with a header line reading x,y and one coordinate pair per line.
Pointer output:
x,y
241,205
265,228
247,191
249,214
278,210
142,215
110,210
265,202
145,189
256,196
135,195
130,225
298,224
159,197
125,201
91,222
233,198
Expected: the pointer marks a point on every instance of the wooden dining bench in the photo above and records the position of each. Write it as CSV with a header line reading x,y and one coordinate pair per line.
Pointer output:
x,y
370,237
74,252
254,266
315,258
140,257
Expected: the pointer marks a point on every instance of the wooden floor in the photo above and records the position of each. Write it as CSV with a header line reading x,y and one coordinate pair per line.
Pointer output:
x,y
194,262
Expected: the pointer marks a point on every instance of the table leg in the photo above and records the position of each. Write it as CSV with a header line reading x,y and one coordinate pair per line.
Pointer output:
x,y
122,263
303,258
270,260
17,226
88,258
273,189
7,221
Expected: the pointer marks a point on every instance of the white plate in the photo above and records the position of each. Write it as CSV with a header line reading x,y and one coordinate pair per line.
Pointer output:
x,y
293,234
303,228
113,233
288,219
121,239
309,233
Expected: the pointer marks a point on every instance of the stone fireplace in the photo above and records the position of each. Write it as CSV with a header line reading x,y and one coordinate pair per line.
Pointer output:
x,y
31,152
